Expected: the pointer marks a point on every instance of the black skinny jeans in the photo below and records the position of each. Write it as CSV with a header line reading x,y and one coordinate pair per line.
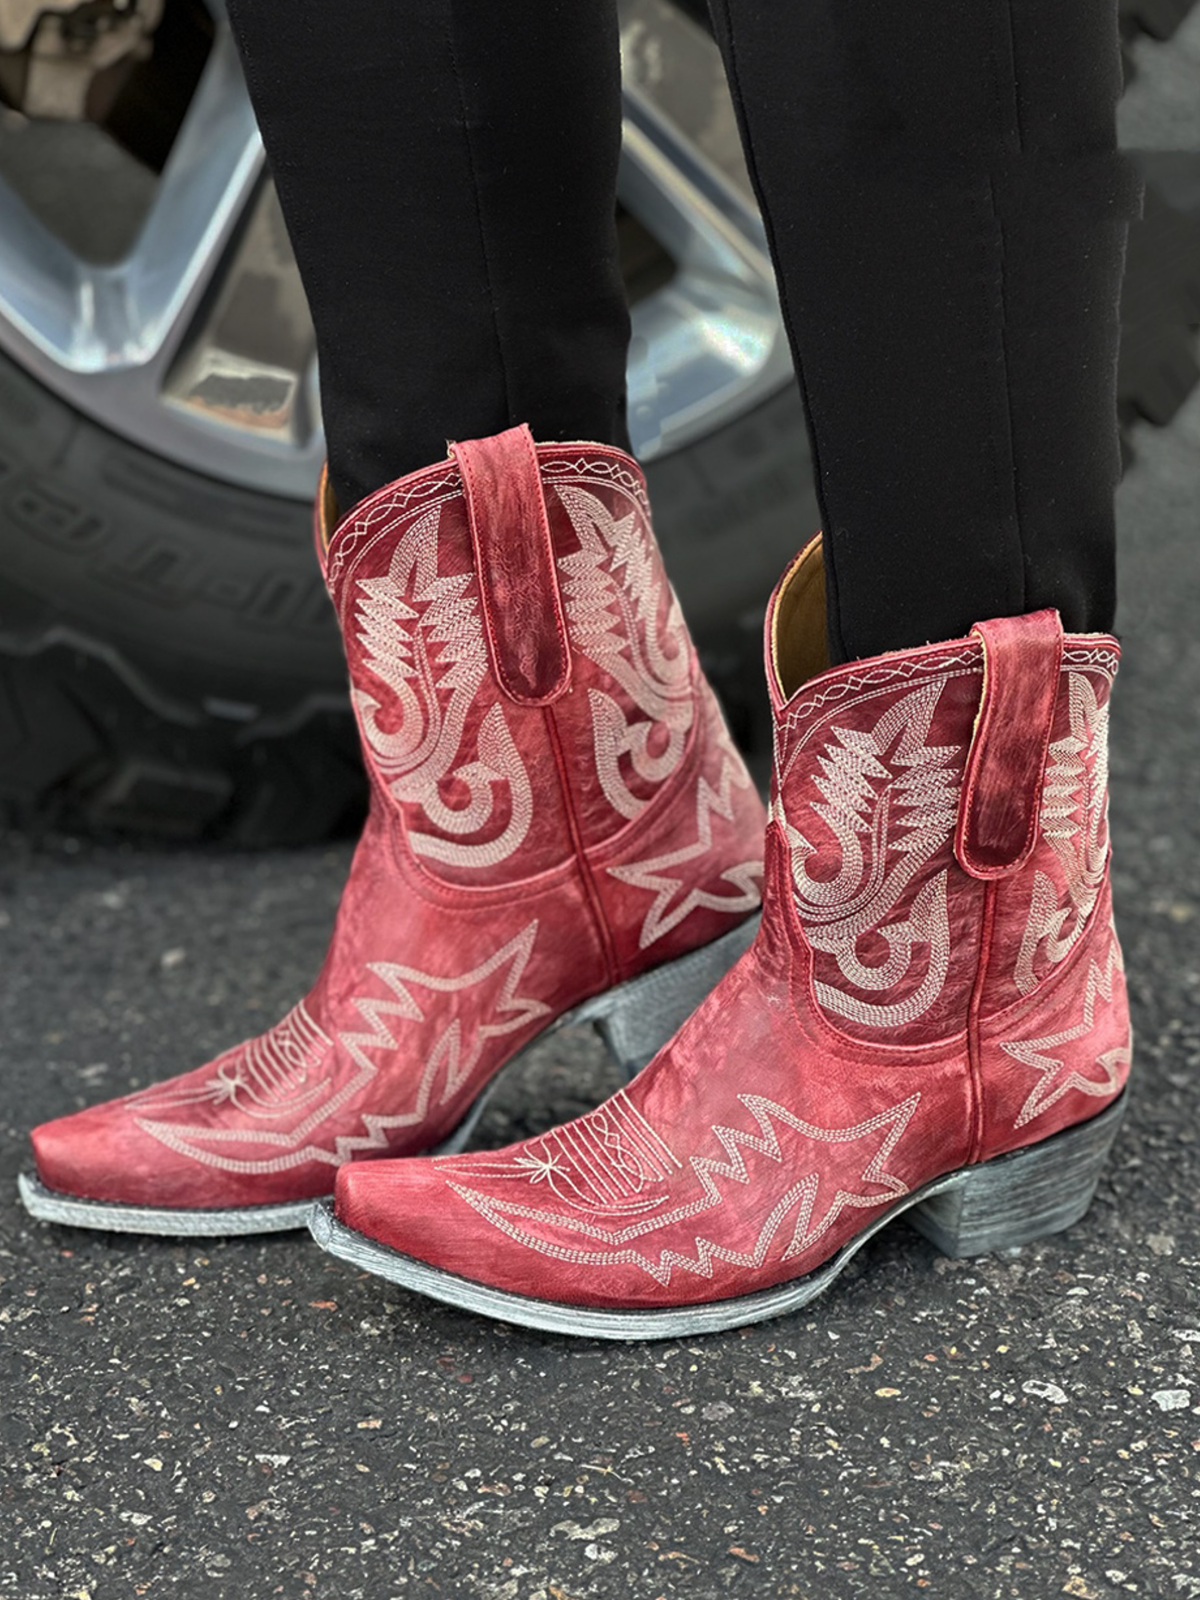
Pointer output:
x,y
947,216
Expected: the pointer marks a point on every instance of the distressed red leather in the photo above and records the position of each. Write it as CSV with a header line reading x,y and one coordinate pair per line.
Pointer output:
x,y
519,856
1002,789
518,578
896,1019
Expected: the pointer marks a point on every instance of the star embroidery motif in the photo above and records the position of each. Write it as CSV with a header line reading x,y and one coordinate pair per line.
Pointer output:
x,y
655,874
227,1083
1058,1076
540,1168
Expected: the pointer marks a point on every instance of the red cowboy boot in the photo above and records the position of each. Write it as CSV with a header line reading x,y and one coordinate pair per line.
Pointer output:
x,y
932,1020
560,831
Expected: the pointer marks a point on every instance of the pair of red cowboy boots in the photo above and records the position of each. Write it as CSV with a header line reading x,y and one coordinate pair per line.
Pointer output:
x,y
930,1020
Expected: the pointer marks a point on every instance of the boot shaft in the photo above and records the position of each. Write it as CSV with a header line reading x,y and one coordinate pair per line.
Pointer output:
x,y
944,815
528,696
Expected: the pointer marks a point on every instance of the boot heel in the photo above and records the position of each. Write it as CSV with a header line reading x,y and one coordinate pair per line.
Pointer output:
x,y
637,1018
1022,1196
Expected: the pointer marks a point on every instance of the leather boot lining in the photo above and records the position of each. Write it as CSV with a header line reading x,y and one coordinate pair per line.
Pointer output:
x,y
798,648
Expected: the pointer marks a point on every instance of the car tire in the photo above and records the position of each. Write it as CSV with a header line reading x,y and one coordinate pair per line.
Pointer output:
x,y
169,661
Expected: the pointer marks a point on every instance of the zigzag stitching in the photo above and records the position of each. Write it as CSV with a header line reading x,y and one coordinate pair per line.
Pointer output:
x,y
707,1169
448,1047
1100,657
648,875
880,677
588,471
407,502
1028,1052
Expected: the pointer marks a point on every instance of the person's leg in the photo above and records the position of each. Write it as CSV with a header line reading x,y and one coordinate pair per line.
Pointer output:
x,y
447,169
947,215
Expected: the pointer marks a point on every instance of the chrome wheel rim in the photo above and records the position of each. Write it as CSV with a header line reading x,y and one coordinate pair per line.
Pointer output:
x,y
162,347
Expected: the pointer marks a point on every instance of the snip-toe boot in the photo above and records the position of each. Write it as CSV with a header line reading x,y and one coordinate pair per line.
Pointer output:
x,y
560,831
931,1022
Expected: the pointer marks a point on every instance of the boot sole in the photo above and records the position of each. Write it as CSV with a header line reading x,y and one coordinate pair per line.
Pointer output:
x,y
634,1019
997,1205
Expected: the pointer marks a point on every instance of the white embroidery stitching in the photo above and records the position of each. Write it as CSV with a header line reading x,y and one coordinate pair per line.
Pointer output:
x,y
655,873
615,624
604,1162
382,517
271,1076
450,1058
866,684
890,800
422,638
1075,826
802,1195
1054,1081
945,662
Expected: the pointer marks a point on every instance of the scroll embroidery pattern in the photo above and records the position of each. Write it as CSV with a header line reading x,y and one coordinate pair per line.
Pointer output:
x,y
613,589
888,805
422,640
1075,826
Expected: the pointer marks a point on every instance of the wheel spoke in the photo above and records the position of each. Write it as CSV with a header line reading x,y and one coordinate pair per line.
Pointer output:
x,y
166,345
709,344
